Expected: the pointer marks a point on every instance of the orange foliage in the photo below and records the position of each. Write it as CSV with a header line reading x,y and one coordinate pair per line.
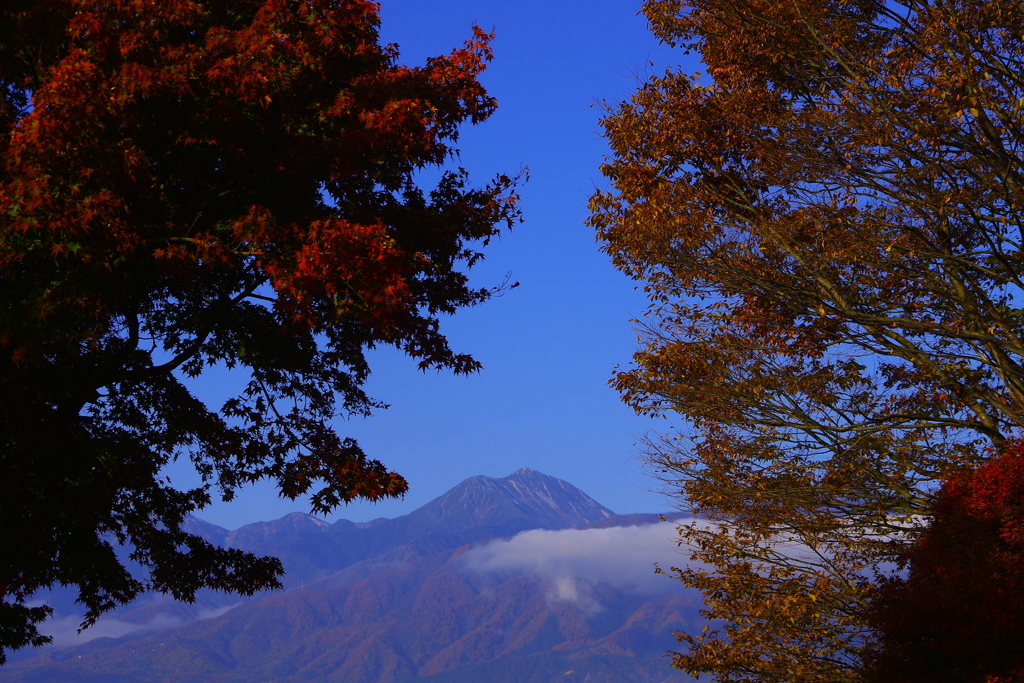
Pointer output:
x,y
828,225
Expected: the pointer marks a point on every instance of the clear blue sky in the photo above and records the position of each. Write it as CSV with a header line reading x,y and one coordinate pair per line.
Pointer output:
x,y
549,346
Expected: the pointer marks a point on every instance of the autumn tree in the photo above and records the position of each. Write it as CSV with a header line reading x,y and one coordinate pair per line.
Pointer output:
x,y
955,611
188,184
828,225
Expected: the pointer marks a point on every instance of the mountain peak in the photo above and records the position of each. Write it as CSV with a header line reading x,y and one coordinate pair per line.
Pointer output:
x,y
525,499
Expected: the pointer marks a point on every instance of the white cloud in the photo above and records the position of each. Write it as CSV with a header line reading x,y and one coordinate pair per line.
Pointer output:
x,y
64,629
621,557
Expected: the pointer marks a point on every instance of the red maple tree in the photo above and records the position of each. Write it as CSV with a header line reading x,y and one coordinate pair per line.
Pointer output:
x,y
957,612
188,184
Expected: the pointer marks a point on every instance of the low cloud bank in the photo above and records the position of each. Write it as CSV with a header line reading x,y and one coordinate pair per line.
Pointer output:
x,y
64,629
621,557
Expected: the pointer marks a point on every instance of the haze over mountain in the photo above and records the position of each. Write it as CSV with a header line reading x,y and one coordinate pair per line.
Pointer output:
x,y
523,578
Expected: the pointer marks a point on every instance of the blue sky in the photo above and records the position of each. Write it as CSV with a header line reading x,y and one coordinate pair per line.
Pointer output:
x,y
549,346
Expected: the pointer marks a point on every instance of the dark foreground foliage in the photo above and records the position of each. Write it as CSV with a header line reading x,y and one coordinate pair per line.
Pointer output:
x,y
188,184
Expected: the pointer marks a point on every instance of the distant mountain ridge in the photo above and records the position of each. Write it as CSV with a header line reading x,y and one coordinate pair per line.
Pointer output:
x,y
310,549
391,600
476,509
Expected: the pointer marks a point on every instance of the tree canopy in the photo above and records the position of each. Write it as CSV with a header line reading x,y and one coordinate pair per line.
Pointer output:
x,y
956,610
188,184
828,225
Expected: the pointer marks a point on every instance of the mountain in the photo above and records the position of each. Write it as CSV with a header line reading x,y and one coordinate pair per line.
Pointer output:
x,y
524,499
479,508
490,581
310,549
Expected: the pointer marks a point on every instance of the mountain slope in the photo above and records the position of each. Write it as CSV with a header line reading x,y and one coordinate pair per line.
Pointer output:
x,y
477,509
310,549
426,619
411,599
